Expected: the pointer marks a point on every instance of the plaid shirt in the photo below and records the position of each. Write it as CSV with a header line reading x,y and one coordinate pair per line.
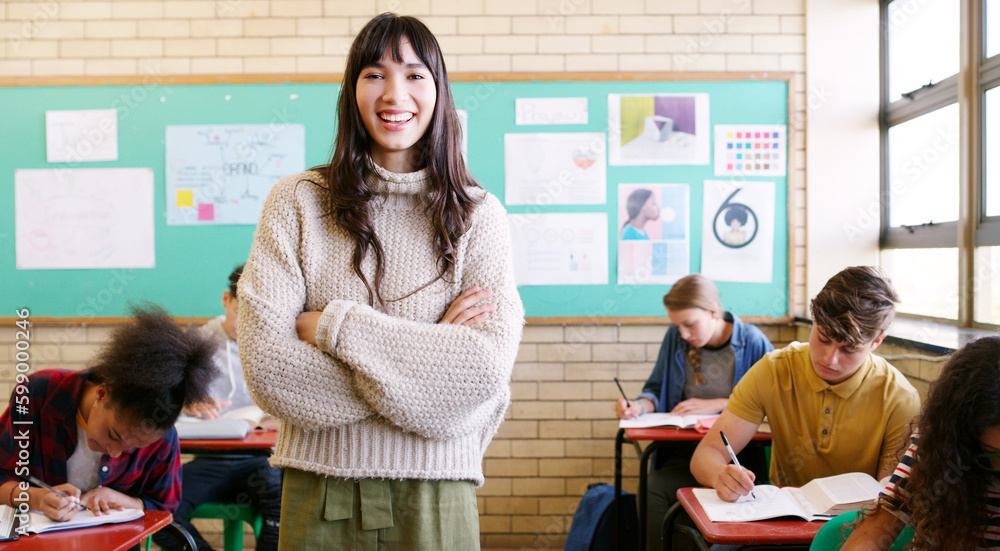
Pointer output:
x,y
49,433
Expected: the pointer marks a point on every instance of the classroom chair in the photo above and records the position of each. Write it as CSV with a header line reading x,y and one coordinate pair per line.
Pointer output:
x,y
232,531
830,537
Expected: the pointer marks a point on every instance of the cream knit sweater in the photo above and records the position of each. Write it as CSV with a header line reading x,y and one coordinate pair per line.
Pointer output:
x,y
384,395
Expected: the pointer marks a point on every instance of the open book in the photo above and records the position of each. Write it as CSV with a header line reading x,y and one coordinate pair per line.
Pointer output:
x,y
233,424
13,525
820,499
660,419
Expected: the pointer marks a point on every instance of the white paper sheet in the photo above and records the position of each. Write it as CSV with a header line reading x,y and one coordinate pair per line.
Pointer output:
x,y
738,231
560,249
221,174
84,218
654,250
750,150
81,136
658,129
532,111
555,169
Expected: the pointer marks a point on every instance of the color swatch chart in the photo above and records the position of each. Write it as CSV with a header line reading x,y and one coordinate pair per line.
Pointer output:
x,y
751,150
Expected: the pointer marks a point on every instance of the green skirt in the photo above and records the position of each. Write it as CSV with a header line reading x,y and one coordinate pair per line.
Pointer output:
x,y
320,512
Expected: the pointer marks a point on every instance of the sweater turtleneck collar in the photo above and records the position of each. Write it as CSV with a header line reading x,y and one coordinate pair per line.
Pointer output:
x,y
385,182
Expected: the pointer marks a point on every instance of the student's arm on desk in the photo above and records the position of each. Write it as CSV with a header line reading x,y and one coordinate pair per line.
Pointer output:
x,y
876,532
710,462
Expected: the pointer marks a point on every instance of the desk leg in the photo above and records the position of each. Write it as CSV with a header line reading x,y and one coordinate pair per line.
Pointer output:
x,y
179,534
618,485
643,473
670,527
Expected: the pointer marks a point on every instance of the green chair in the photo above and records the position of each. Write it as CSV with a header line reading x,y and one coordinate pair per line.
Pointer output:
x,y
830,538
232,524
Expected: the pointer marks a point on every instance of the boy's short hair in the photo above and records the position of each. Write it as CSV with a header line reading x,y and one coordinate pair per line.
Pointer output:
x,y
855,306
234,279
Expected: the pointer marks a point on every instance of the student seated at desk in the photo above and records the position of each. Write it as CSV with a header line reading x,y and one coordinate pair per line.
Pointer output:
x,y
949,491
705,352
105,435
832,405
231,478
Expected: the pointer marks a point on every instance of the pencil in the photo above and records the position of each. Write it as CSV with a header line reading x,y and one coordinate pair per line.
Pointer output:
x,y
627,403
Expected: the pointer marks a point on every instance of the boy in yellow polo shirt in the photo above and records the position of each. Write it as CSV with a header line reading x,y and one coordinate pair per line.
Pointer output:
x,y
832,405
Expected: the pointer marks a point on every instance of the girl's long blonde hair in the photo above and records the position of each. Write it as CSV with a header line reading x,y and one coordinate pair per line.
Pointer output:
x,y
694,291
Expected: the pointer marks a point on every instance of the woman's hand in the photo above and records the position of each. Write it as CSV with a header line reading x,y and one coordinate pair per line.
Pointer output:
x,y
632,408
463,310
697,406
57,507
305,326
102,500
209,409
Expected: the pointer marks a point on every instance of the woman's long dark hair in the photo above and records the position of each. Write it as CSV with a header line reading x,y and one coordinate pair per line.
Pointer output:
x,y
634,203
946,491
450,204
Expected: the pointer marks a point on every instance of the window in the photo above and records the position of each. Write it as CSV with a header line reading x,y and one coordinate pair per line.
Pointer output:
x,y
939,271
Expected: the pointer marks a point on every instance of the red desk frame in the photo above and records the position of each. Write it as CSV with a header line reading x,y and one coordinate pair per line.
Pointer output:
x,y
256,442
107,537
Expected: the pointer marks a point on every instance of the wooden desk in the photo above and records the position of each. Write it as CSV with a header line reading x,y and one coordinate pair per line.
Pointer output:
x,y
765,533
108,537
658,437
256,442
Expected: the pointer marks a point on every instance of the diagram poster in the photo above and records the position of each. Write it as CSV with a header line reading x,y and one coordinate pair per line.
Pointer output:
x,y
653,233
738,231
751,149
555,169
84,218
658,129
84,135
221,174
560,248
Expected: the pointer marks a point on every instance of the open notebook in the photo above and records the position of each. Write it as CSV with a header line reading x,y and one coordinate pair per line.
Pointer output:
x,y
13,525
233,424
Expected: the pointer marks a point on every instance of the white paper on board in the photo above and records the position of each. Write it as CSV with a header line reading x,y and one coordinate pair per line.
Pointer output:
x,y
560,248
81,135
737,242
535,111
751,149
84,218
555,169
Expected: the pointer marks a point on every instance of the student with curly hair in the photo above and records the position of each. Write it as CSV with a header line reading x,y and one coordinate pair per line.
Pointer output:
x,y
947,487
105,435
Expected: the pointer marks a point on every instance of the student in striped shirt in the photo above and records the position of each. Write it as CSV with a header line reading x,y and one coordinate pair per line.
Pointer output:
x,y
948,489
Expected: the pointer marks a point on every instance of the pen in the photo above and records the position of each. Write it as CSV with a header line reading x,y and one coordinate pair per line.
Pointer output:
x,y
40,483
732,454
627,403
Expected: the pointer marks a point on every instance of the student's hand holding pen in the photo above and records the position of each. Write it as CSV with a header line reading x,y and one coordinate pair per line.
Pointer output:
x,y
630,409
733,481
60,503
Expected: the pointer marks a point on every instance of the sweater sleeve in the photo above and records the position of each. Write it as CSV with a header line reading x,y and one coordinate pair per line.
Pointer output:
x,y
438,380
280,369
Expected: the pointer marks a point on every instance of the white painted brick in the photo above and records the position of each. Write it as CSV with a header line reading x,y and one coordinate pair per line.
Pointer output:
x,y
538,63
57,67
33,11
458,7
241,9
165,65
85,48
459,45
56,30
484,25
527,390
269,27
671,43
164,28
596,63
793,62
793,24
34,49
699,62
724,43
783,7
85,10
296,46
110,67
510,7
510,44
345,8
419,8
538,372
591,371
3,11
321,64
645,62
542,333
754,24
192,47
136,48
701,24
647,24
617,44
563,44
753,62
617,7
565,8
271,64
716,7
560,352
483,63
110,29
191,9
591,333
296,8
337,45
441,25
671,6
213,27
779,44
217,65
592,24
324,27
539,25
642,333
136,10
15,68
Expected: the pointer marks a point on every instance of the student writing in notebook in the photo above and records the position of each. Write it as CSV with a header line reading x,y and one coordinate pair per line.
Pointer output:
x,y
232,478
379,318
705,352
833,406
105,435
949,490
